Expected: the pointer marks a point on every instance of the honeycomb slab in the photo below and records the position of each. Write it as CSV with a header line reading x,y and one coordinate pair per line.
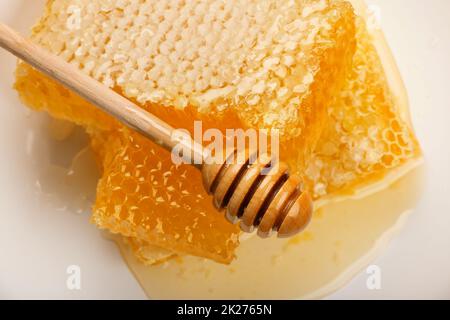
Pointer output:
x,y
367,135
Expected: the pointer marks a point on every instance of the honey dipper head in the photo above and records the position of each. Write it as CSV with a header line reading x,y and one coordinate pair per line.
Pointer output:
x,y
258,193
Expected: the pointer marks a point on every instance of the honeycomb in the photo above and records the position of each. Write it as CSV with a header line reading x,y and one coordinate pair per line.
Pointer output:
x,y
366,136
148,254
143,195
261,64
305,67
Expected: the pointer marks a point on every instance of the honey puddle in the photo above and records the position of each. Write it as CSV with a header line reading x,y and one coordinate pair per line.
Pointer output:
x,y
343,239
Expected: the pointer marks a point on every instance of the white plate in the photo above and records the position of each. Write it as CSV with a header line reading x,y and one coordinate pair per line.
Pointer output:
x,y
39,239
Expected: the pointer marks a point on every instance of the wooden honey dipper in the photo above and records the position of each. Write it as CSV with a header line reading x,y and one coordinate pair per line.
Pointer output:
x,y
270,202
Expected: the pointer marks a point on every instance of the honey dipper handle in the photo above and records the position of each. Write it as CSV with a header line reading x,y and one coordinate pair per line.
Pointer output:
x,y
91,90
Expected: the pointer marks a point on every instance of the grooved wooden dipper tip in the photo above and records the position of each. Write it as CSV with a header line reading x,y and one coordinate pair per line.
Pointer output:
x,y
259,194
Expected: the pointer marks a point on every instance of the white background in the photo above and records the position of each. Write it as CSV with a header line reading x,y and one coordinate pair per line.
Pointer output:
x,y
38,242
